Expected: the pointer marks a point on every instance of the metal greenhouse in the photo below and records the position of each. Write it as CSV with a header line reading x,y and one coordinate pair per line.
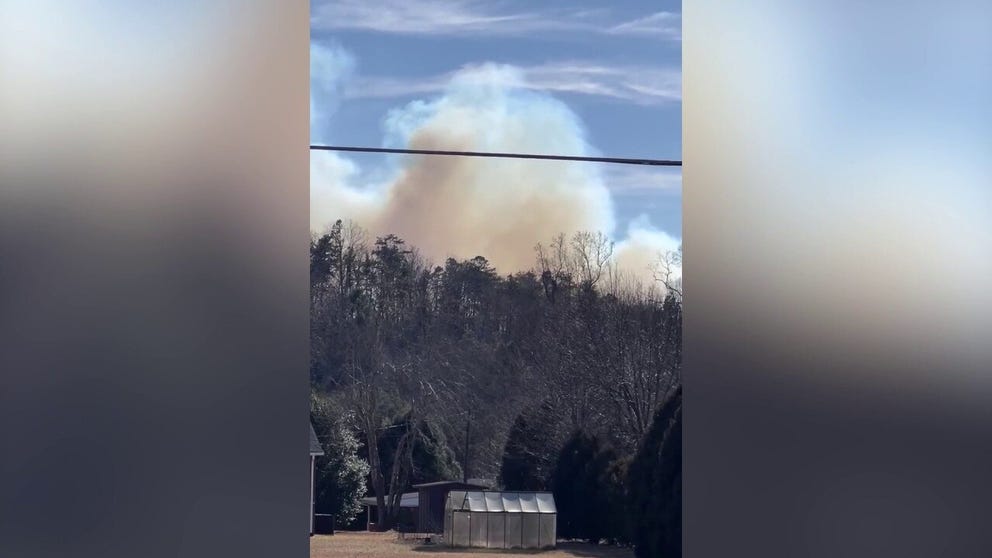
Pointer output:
x,y
487,519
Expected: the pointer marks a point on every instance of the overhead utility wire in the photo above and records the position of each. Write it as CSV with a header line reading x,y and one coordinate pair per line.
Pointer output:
x,y
650,162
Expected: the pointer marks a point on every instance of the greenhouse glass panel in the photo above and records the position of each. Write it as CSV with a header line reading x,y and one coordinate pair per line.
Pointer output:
x,y
513,531
476,502
455,501
548,534
460,529
493,502
496,530
528,503
530,530
546,503
511,502
479,528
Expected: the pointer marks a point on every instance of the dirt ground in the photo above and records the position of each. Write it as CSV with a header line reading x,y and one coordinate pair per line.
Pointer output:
x,y
346,544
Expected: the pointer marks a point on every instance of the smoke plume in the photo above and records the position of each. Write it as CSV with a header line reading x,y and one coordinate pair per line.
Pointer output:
x,y
464,207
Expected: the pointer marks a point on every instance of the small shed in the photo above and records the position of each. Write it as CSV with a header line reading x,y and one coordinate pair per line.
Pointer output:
x,y
315,451
488,519
409,502
432,496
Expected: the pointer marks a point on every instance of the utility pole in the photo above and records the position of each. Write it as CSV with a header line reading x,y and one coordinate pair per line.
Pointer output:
x,y
468,425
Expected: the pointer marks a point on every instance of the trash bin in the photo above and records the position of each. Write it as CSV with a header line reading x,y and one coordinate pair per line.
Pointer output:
x,y
323,524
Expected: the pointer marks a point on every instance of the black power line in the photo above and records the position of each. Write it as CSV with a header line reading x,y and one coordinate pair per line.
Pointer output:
x,y
650,162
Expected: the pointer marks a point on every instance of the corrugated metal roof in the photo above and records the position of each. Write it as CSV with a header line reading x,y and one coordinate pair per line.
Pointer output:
x,y
315,448
407,500
450,482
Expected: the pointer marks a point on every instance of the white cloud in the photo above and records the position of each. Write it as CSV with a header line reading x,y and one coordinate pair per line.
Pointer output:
x,y
416,17
644,85
666,25
654,181
337,190
475,17
381,87
331,68
639,84
640,252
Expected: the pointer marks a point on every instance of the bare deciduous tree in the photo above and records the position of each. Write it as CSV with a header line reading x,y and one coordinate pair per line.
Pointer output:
x,y
668,271
408,348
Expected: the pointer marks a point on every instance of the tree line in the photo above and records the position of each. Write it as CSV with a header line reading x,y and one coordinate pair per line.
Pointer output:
x,y
564,377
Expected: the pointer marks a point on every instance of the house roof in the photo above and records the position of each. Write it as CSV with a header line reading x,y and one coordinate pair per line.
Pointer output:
x,y
407,500
315,448
474,484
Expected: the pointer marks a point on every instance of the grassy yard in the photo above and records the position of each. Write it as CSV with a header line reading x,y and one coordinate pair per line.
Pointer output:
x,y
345,544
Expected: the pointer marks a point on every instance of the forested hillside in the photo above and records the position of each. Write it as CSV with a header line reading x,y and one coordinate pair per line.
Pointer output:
x,y
451,369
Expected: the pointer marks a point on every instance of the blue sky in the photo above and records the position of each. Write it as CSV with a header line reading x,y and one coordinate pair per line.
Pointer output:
x,y
615,66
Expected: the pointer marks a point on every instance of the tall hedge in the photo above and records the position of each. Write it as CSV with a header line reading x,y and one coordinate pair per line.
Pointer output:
x,y
340,473
530,451
654,485
585,486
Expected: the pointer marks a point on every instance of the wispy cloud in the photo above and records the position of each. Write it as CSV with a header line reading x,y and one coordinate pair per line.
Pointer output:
x,y
450,17
644,85
381,87
477,17
638,84
331,67
666,25
651,181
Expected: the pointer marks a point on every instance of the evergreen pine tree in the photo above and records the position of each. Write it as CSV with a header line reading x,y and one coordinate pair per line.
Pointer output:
x,y
529,453
582,488
654,483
